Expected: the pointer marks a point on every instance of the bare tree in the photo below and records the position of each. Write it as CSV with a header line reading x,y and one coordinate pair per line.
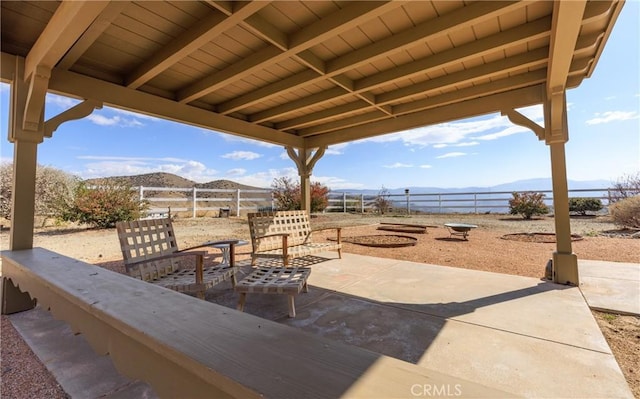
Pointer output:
x,y
626,186
382,204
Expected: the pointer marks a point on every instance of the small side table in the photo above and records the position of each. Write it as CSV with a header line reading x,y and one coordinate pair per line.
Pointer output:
x,y
224,248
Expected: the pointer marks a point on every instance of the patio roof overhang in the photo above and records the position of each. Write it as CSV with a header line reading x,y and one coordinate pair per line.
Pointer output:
x,y
304,75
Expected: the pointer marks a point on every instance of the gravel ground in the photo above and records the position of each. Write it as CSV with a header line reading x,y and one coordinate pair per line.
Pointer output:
x,y
23,376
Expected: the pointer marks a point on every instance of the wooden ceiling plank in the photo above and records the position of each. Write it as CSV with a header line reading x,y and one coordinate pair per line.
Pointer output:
x,y
356,120
321,116
478,48
194,38
110,13
437,27
265,30
298,43
534,29
475,107
522,61
293,106
59,35
260,94
225,7
339,22
500,86
235,71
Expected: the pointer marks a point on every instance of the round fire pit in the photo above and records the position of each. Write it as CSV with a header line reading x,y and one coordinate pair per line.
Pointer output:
x,y
382,241
403,228
537,237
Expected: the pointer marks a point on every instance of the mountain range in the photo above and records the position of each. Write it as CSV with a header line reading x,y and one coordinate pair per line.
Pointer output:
x,y
161,179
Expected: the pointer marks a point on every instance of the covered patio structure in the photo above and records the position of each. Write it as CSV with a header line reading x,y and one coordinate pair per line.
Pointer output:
x,y
304,75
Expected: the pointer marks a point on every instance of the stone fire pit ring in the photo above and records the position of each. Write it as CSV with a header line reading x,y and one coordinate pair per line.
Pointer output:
x,y
537,237
382,240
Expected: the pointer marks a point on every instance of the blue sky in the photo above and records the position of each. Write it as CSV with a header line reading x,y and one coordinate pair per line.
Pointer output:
x,y
604,141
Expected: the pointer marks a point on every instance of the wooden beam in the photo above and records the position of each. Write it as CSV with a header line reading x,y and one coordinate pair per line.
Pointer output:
x,y
80,86
466,109
458,96
196,37
354,13
238,70
534,30
104,20
565,28
293,106
60,34
437,27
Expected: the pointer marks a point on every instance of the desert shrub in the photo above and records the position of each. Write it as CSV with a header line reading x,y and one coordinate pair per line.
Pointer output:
x,y
626,186
54,189
287,197
626,212
319,197
382,203
527,204
103,206
584,205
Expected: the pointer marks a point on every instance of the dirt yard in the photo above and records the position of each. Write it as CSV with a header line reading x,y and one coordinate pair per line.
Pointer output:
x,y
486,249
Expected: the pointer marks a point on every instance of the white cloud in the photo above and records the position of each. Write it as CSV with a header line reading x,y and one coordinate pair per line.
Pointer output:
x,y
236,172
131,159
115,120
264,179
397,165
463,144
452,155
425,166
336,149
455,133
61,102
610,116
242,155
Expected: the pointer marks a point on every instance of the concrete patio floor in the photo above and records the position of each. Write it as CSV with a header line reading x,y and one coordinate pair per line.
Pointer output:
x,y
518,335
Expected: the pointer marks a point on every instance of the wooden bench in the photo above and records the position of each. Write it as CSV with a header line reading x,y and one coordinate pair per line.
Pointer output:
x,y
151,254
286,235
188,348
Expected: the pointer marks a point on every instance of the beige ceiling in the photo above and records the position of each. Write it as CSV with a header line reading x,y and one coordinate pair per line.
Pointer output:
x,y
308,74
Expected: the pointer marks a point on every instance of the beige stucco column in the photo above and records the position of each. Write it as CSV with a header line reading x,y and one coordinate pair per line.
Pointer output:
x,y
565,262
305,160
26,131
555,133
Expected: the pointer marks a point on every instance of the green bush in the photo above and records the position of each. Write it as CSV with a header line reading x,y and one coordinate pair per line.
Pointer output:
x,y
626,212
286,195
103,206
527,204
584,205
